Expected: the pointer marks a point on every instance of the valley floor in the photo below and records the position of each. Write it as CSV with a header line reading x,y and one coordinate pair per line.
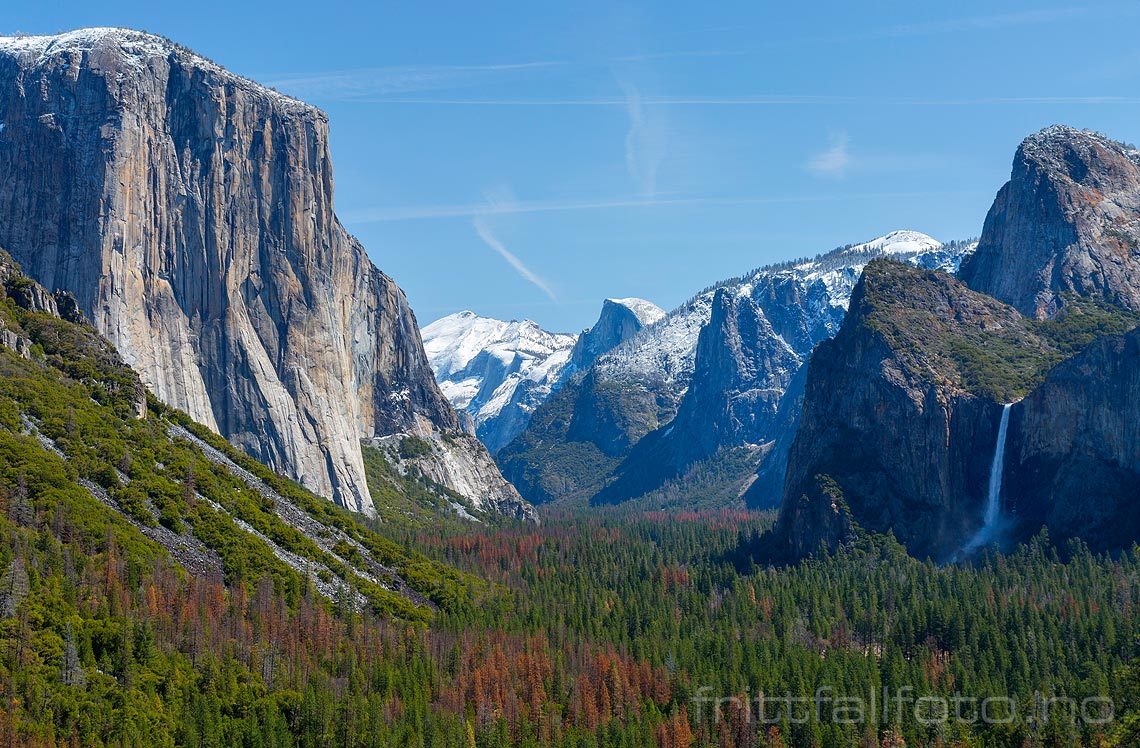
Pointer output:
x,y
614,629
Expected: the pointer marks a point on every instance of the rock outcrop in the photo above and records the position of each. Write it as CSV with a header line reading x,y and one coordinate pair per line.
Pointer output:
x,y
80,339
1067,222
452,465
893,437
190,212
741,371
619,321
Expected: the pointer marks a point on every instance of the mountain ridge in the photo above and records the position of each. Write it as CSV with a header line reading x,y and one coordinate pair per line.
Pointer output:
x,y
499,372
585,441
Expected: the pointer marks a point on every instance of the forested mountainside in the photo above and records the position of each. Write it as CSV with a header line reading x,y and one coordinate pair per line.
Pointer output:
x,y
190,213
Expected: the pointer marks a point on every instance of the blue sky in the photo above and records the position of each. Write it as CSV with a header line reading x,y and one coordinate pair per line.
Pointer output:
x,y
527,160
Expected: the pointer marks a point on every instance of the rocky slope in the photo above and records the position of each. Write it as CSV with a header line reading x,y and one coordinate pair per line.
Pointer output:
x,y
190,212
499,372
640,420
78,437
1067,222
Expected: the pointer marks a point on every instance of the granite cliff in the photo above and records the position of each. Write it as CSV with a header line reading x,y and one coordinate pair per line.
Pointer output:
x,y
1067,222
1073,457
190,212
902,408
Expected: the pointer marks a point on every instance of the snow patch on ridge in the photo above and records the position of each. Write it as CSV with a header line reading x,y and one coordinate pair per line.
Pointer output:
x,y
137,49
665,350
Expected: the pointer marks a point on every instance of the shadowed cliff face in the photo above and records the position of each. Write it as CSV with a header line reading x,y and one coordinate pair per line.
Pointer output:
x,y
742,368
1067,222
890,439
902,408
1073,460
190,212
619,321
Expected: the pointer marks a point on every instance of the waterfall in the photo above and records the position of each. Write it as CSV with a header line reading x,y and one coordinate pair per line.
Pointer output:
x,y
993,501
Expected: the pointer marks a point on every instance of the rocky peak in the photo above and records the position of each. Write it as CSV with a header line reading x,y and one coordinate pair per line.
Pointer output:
x,y
1066,223
619,321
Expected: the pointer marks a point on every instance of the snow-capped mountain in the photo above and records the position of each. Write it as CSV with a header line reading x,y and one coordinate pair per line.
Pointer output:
x,y
495,370
769,321
499,372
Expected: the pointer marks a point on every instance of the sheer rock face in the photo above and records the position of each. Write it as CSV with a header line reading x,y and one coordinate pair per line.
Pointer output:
x,y
1073,458
1068,221
190,213
741,370
619,321
888,439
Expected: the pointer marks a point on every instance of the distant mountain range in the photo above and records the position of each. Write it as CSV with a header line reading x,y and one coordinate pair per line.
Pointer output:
x,y
499,372
689,408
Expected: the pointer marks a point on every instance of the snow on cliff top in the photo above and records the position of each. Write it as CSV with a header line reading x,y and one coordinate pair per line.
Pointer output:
x,y
646,311
901,243
135,48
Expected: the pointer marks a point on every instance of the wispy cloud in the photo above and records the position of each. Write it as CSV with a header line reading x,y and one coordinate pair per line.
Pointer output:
x,y
386,84
680,54
489,238
645,140
833,161
478,210
623,101
366,83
